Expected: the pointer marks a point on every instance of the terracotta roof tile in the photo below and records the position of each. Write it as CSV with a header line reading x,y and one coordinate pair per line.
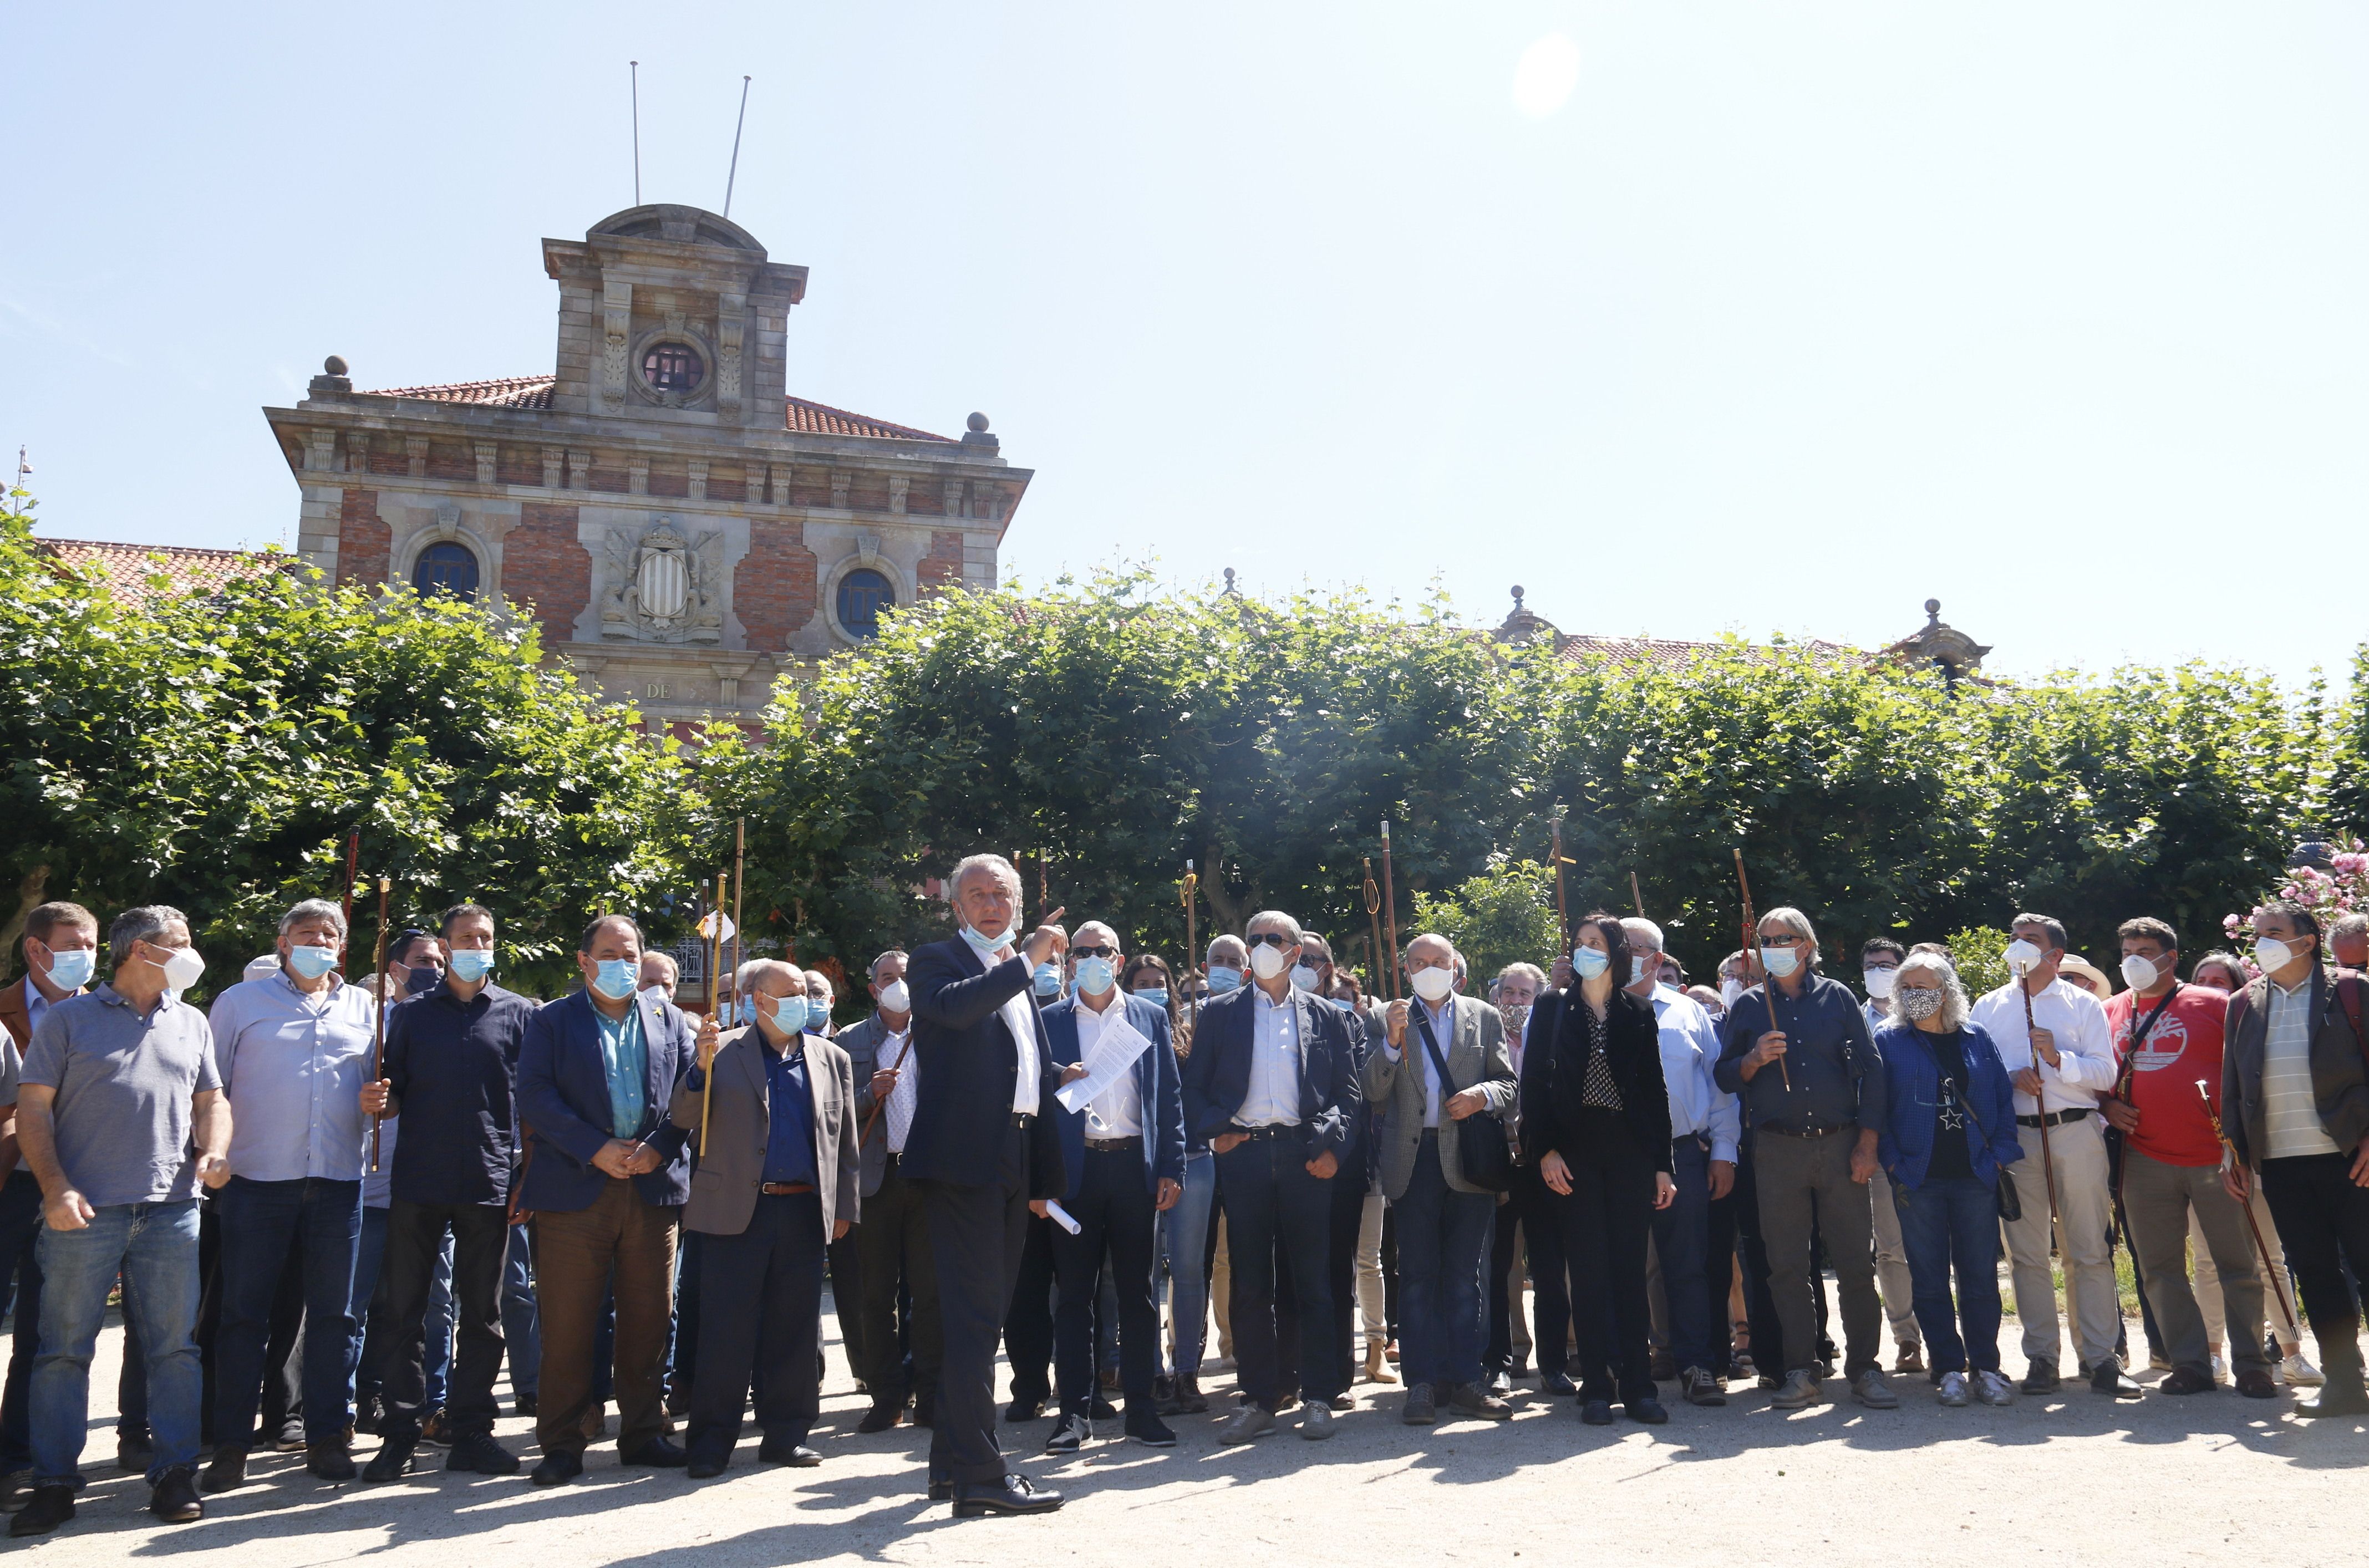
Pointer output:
x,y
508,392
823,419
131,569
1666,652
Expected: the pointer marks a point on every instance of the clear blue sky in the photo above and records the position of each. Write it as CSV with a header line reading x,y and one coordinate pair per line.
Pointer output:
x,y
1785,317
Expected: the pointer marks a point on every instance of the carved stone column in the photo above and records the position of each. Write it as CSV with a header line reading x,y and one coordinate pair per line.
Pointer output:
x,y
699,478
554,467
616,324
415,448
488,460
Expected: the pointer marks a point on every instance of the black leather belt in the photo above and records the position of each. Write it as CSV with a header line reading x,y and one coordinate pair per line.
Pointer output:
x,y
2055,1118
1113,1145
785,1189
1258,1134
1788,1132
1023,1121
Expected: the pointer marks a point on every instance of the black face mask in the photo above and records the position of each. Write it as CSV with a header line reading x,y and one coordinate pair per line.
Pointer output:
x,y
424,977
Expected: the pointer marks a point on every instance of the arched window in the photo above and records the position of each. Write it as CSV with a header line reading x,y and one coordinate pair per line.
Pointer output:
x,y
446,567
862,595
671,367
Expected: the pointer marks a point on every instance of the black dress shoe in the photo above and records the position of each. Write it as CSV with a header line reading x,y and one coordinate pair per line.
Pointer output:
x,y
2255,1383
706,1465
797,1456
1190,1400
1012,1494
1070,1434
134,1452
1102,1409
2041,1378
1021,1410
2108,1377
1596,1412
392,1462
880,1418
2185,1380
330,1461
1558,1384
925,1410
478,1452
658,1453
1648,1410
50,1508
525,1404
367,1416
1150,1431
175,1499
16,1490
556,1469
228,1470
942,1491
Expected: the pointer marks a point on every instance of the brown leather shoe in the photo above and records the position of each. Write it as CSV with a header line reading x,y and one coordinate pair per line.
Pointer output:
x,y
2185,1380
2255,1382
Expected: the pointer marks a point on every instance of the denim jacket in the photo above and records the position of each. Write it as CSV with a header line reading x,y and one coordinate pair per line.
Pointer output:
x,y
1912,1077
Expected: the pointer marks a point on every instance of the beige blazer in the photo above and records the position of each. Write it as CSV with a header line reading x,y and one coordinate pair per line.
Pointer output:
x,y
724,1180
1477,1058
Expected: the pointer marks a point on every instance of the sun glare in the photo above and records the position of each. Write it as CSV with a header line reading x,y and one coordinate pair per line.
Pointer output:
x,y
1545,75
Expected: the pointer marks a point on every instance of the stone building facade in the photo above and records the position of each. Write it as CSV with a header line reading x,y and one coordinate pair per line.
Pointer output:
x,y
684,528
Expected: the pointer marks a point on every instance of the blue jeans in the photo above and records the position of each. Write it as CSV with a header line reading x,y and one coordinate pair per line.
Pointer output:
x,y
1443,1294
1183,1260
1682,1241
1945,1226
520,1337
261,1221
154,1247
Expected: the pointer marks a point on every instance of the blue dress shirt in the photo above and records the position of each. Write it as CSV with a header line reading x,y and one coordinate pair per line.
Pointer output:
x,y
789,1136
626,1058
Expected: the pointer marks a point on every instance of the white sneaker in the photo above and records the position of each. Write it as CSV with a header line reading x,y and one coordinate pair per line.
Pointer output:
x,y
1952,1391
1992,1388
2299,1372
2220,1369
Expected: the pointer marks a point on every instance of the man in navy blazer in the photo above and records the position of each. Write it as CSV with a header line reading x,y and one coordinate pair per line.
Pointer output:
x,y
1122,1154
982,1140
1272,1084
606,1176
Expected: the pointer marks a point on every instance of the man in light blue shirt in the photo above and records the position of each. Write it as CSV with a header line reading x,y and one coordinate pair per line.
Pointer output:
x,y
1705,1126
294,1048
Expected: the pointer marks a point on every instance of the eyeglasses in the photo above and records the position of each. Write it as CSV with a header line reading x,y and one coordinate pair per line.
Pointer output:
x,y
1094,952
1269,938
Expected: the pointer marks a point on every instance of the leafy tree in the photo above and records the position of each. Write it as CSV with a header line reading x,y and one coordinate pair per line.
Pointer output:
x,y
1505,915
213,750
1979,955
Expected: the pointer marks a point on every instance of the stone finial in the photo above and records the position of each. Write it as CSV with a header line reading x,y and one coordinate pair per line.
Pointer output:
x,y
1517,599
978,423
334,365
332,379
1932,612
1229,579
976,434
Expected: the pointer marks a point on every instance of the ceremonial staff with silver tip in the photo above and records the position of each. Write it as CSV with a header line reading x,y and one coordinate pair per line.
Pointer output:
x,y
1753,965
2039,1096
377,1047
2261,1250
1389,915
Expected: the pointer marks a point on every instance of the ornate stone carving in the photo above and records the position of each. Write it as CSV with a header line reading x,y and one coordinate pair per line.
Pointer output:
x,y
731,311
899,484
489,456
616,326
358,451
554,467
579,469
698,479
637,476
779,474
839,480
661,585
954,498
415,449
320,450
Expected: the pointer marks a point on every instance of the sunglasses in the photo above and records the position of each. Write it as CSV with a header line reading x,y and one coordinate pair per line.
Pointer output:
x,y
1268,938
1094,952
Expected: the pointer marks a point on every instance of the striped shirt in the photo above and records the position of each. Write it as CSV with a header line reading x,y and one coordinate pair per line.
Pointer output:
x,y
2290,1124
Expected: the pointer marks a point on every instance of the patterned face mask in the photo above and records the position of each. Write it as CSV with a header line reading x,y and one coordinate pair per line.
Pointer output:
x,y
1917,1001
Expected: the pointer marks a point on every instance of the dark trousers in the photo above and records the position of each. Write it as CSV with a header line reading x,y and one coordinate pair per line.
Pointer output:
x,y
760,1312
1605,1221
977,1236
415,1242
1719,1272
2323,1223
577,1253
1770,1351
1443,1254
1349,1189
1952,1226
1528,1206
689,1295
20,1292
1271,1201
1682,1241
1028,1320
846,1259
896,1245
262,1224
1113,1206
1806,1193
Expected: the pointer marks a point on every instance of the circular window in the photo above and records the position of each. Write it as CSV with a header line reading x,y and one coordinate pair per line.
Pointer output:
x,y
862,595
672,367
446,567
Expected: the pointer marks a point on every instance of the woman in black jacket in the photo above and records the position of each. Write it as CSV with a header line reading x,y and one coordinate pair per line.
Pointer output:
x,y
1595,1125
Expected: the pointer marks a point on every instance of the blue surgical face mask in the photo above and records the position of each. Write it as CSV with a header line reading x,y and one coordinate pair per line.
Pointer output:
x,y
1304,977
1047,980
70,970
617,978
1587,963
1636,970
1093,976
471,965
312,962
1153,993
1224,977
985,947
790,1015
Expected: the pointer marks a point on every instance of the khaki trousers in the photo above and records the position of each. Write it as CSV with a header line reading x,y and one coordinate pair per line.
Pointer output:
x,y
2085,1205
2160,1200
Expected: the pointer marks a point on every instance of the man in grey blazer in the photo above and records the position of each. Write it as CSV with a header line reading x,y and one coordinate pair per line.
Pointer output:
x,y
772,1109
893,1241
1443,1221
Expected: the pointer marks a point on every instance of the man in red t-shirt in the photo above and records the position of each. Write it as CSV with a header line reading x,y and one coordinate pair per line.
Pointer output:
x,y
2167,1038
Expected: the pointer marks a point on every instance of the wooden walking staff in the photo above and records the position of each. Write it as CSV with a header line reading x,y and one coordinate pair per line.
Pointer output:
x,y
1753,965
715,923
2040,1099
378,1044
353,852
1390,913
2262,1251
1373,930
1563,906
1190,891
739,892
1635,896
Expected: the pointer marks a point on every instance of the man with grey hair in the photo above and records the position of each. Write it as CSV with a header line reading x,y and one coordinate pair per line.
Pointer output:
x,y
1272,1084
293,1049
121,1113
1798,1056
1705,1128
983,1143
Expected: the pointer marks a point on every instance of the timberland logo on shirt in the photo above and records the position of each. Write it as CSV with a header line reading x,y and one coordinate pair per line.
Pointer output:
x,y
2164,1044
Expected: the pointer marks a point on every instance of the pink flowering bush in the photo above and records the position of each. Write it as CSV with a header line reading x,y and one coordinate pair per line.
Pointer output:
x,y
2339,890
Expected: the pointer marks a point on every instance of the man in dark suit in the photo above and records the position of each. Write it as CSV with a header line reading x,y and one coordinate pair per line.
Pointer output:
x,y
1122,1154
1273,1085
606,1178
1355,1187
776,1183
893,1239
983,1141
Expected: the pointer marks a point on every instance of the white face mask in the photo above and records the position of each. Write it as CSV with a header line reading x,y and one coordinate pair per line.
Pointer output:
x,y
2022,957
183,969
2139,972
1731,991
1779,961
1636,969
1303,978
1432,985
1267,961
895,998
1879,982
2271,954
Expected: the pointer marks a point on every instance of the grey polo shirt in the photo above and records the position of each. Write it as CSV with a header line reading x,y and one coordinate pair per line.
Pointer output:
x,y
123,1085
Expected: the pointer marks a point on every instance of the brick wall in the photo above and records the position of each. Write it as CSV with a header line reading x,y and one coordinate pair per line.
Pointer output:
x,y
773,585
543,565
943,564
363,540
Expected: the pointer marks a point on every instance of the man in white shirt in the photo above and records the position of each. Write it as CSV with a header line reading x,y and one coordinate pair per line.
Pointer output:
x,y
2060,1061
893,1236
1705,1125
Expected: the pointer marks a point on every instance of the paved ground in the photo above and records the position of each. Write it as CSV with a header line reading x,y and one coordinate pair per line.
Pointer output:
x,y
2208,1479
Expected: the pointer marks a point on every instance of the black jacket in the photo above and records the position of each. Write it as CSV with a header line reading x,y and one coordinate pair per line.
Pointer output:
x,y
968,1066
1554,1074
1218,1074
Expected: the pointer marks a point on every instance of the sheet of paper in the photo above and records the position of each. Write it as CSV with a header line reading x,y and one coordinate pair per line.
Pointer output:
x,y
1115,1051
1060,1216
